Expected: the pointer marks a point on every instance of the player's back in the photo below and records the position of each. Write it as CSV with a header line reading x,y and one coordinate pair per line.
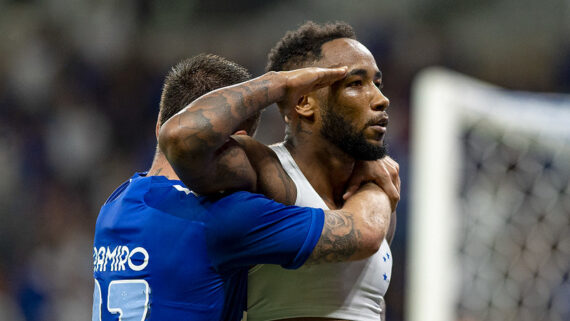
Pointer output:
x,y
150,256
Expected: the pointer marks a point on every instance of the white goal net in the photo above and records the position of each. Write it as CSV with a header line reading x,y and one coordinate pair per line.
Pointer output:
x,y
490,203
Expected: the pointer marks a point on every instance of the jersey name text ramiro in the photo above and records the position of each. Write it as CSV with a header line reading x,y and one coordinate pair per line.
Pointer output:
x,y
118,258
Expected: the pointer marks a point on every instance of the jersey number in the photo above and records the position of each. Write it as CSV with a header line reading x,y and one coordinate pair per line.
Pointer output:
x,y
128,298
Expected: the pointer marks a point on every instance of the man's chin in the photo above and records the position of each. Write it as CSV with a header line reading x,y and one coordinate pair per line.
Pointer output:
x,y
370,152
377,143
377,146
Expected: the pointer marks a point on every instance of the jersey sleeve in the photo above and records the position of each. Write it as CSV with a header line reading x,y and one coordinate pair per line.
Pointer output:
x,y
245,229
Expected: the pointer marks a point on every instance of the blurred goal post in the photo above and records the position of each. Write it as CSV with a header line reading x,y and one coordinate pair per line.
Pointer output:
x,y
460,212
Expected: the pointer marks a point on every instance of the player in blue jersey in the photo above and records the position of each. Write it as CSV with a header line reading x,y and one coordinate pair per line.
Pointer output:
x,y
163,253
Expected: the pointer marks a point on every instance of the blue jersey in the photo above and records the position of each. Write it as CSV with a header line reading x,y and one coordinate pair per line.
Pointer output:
x,y
162,253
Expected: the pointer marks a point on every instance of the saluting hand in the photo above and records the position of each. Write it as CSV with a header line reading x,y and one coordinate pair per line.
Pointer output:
x,y
302,81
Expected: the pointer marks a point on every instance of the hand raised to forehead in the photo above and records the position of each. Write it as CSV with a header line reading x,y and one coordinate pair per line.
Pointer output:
x,y
302,81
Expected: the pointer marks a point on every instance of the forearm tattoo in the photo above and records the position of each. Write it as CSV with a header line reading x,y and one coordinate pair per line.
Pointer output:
x,y
339,239
213,118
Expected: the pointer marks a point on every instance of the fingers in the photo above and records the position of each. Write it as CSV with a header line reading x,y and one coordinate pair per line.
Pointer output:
x,y
353,186
387,183
300,82
305,80
327,76
385,173
394,171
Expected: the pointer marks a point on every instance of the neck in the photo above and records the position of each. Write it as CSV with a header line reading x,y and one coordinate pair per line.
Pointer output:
x,y
326,167
161,167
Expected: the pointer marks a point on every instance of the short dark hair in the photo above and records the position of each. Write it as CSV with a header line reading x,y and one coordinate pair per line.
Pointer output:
x,y
194,77
303,45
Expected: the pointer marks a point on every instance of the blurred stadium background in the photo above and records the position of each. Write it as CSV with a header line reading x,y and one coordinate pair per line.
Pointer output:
x,y
79,90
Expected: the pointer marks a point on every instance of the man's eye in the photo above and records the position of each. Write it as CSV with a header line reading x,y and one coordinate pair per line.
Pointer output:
x,y
355,83
380,85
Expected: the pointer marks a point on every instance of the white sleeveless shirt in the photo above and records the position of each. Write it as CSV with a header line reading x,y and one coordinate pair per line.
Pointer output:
x,y
347,290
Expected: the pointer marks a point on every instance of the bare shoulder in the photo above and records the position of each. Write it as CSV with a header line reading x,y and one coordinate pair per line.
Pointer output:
x,y
272,180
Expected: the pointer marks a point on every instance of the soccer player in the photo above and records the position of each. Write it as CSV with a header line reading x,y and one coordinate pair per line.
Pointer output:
x,y
334,138
163,253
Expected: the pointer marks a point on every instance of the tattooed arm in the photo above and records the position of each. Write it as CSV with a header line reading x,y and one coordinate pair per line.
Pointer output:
x,y
347,236
197,141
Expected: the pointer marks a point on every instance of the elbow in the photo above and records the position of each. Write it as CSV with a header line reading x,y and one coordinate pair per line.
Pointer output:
x,y
371,241
171,142
372,246
167,140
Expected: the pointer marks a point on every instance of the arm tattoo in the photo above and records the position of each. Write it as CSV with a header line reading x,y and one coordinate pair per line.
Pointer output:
x,y
288,186
300,131
232,166
339,239
213,118
276,184
205,127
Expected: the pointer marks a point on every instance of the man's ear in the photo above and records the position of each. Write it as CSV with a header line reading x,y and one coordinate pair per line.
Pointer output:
x,y
306,106
157,130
